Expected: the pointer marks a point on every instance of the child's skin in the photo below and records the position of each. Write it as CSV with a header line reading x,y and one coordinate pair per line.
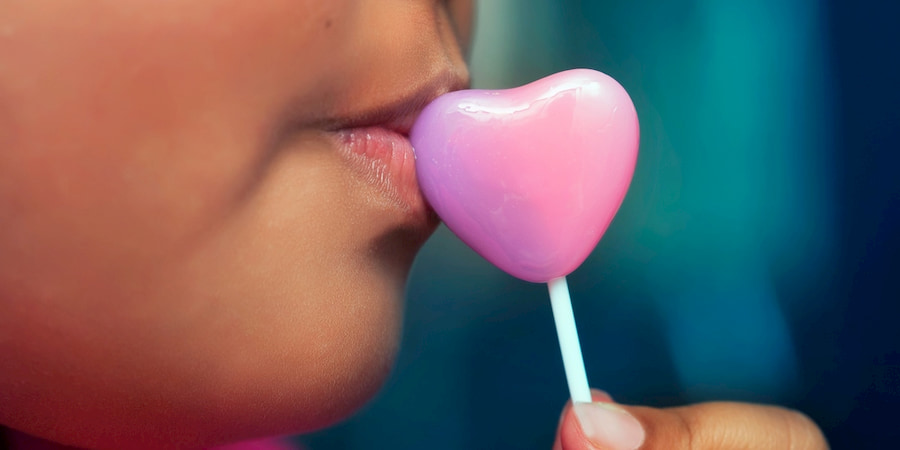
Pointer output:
x,y
188,254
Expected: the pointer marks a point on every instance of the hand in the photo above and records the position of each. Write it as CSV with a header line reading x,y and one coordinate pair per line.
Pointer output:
x,y
718,425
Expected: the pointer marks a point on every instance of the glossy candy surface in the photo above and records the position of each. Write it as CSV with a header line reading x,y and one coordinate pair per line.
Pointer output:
x,y
529,177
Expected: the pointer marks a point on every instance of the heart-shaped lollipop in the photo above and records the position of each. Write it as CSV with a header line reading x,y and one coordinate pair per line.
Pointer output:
x,y
529,177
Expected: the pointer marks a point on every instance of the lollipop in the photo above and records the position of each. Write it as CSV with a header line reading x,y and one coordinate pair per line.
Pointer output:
x,y
530,178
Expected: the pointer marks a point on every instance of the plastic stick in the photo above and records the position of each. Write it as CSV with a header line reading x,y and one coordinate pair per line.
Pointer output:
x,y
568,340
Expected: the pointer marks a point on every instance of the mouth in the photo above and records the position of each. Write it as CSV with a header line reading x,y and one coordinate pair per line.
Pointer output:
x,y
376,144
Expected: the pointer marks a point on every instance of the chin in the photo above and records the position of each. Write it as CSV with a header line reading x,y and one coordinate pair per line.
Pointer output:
x,y
270,376
251,406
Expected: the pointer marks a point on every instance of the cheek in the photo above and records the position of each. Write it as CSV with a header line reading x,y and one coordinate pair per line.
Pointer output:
x,y
167,267
129,134
116,124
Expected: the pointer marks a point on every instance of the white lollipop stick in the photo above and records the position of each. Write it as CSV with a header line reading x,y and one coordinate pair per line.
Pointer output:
x,y
568,340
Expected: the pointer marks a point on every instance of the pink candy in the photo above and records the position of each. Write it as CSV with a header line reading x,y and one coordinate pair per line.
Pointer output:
x,y
529,177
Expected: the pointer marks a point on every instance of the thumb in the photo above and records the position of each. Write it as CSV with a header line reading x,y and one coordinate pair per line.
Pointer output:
x,y
607,426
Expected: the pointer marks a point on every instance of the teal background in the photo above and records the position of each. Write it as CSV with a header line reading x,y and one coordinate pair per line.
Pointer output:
x,y
753,259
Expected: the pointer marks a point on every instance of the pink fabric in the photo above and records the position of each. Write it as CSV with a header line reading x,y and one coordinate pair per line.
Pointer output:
x,y
21,441
262,444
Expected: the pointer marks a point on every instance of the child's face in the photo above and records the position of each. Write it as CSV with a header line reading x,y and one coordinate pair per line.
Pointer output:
x,y
186,253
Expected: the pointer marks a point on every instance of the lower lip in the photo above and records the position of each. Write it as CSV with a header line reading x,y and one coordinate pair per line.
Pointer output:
x,y
386,160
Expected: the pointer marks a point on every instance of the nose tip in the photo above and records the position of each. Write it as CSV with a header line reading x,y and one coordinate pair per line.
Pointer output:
x,y
452,78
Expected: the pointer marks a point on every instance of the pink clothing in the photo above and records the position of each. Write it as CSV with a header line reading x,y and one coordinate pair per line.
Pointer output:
x,y
262,444
21,441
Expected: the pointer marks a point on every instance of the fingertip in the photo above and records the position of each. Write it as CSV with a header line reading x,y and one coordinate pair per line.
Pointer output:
x,y
569,434
599,425
599,395
804,433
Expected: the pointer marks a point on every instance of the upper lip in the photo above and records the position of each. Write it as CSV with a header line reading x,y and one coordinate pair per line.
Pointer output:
x,y
399,113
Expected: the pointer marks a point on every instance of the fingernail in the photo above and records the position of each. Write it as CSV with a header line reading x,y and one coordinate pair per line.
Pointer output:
x,y
608,426
600,395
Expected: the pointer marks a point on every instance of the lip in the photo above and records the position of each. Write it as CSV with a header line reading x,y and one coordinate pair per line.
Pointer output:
x,y
376,144
385,159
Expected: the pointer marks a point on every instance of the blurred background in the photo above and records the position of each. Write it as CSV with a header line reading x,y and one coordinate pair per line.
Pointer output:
x,y
755,257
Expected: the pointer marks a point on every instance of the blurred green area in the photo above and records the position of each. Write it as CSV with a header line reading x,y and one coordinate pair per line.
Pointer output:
x,y
724,274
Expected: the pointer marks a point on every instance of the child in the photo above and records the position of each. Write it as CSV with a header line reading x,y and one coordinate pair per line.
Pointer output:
x,y
208,213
